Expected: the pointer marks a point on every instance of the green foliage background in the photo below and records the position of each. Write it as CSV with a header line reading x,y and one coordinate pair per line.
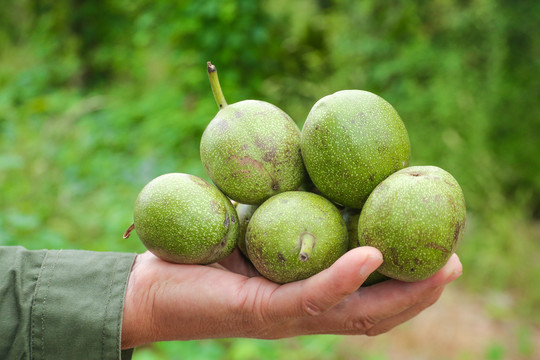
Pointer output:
x,y
99,97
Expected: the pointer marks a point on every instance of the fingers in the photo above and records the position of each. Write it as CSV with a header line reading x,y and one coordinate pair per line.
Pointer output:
x,y
393,297
322,291
381,307
390,323
450,272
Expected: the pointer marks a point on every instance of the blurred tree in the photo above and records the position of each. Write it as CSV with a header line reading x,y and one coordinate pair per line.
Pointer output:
x,y
97,97
101,28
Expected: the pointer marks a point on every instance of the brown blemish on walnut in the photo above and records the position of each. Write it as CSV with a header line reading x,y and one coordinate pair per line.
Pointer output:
x,y
223,242
452,202
216,207
394,256
433,245
270,155
449,183
199,181
457,231
247,161
365,237
222,125
382,149
259,142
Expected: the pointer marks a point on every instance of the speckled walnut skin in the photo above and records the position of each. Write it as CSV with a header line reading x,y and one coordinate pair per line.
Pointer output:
x,y
251,151
245,212
184,219
351,141
416,218
276,230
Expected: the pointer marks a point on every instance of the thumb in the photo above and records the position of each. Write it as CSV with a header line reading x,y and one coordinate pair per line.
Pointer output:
x,y
319,293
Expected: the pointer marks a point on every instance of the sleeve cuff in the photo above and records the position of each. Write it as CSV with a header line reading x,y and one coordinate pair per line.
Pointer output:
x,y
78,305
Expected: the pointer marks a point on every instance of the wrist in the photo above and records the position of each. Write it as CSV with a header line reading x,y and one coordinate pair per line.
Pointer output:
x,y
135,317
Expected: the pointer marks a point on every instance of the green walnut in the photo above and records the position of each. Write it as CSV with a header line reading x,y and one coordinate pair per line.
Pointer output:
x,y
245,212
416,218
184,219
251,149
351,141
295,235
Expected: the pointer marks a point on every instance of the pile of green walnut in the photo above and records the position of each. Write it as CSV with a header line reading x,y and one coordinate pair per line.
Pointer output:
x,y
294,201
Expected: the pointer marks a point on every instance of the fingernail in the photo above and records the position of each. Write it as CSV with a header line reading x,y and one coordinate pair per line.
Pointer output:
x,y
454,269
370,264
455,274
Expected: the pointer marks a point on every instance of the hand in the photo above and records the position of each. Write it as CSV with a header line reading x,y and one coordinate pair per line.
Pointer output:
x,y
167,301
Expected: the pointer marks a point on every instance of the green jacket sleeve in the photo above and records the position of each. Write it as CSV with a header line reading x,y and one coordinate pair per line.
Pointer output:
x,y
62,304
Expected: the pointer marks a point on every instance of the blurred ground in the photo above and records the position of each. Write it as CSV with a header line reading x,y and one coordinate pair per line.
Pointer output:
x,y
459,326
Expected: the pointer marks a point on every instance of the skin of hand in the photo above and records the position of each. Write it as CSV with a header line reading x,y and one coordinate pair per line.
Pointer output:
x,y
166,301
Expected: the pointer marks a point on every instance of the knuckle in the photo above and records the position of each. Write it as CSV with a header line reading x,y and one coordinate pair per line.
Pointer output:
x,y
310,308
255,320
362,324
250,307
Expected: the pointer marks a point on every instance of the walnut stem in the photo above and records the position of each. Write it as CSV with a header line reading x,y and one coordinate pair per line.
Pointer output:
x,y
128,231
214,84
307,243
